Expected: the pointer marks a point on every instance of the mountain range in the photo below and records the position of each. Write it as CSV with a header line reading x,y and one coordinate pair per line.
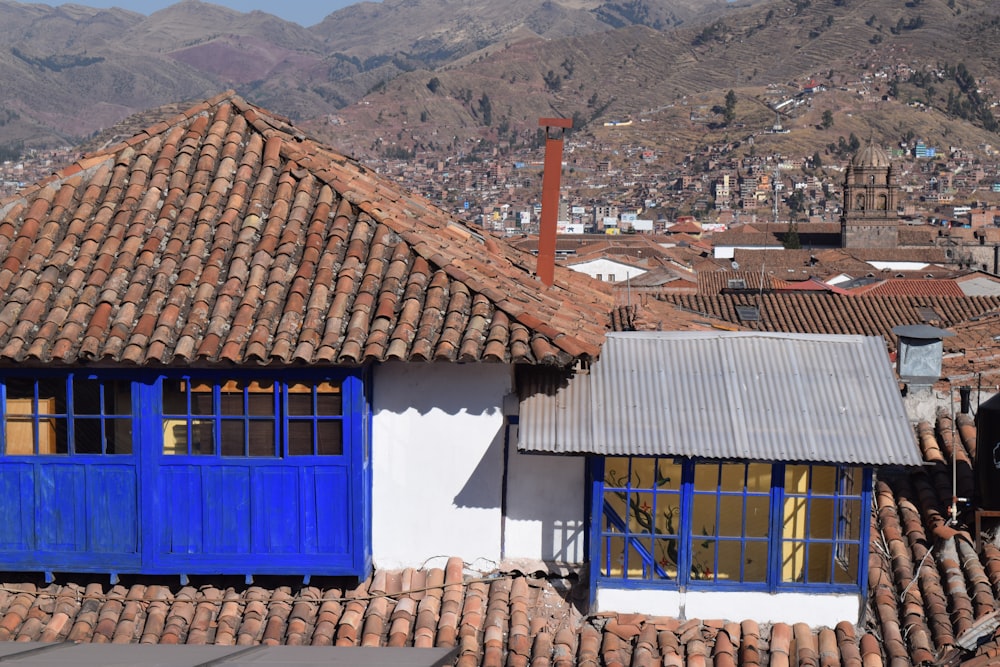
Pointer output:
x,y
433,73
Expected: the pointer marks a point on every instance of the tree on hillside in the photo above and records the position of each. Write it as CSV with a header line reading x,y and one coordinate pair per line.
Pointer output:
x,y
827,121
486,109
729,114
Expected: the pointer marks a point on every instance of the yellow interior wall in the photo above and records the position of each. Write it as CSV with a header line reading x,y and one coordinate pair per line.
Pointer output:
x,y
795,517
666,519
731,520
19,431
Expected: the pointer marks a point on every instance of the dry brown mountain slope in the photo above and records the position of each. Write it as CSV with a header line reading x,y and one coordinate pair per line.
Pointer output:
x,y
632,71
438,69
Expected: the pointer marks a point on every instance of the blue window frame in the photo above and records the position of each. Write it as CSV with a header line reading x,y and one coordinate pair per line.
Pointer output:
x,y
252,417
187,472
679,522
75,413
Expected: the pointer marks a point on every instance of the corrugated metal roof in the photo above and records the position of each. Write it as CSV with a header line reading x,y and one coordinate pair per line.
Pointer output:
x,y
728,395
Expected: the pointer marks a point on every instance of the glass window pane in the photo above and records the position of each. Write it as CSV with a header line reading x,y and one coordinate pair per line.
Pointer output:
x,y
755,562
88,435
730,558
731,515
824,480
758,516
616,471
233,440
706,476
300,438
794,518
759,477
331,438
703,515
261,404
643,473
793,561
640,512
850,519
846,569
821,521
20,396
733,476
613,556
202,437
668,513
20,435
820,562
87,397
119,436
174,397
665,553
52,396
635,567
668,474
262,440
231,403
796,478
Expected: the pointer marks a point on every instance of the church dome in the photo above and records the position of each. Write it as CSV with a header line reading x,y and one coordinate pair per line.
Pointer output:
x,y
871,156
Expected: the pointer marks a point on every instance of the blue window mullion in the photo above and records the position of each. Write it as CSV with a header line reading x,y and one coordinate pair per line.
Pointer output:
x,y
775,543
70,426
867,481
743,527
684,546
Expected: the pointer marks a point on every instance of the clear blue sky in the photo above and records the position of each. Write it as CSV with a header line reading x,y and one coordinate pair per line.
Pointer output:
x,y
304,12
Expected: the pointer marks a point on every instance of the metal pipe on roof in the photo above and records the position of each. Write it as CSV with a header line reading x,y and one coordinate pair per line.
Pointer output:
x,y
552,170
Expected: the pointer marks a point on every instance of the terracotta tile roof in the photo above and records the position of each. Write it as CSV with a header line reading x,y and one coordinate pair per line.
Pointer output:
x,y
714,282
226,236
912,287
829,312
924,255
928,585
917,235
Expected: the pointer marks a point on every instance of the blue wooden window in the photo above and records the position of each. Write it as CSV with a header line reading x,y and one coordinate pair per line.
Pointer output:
x,y
186,473
70,414
252,417
751,525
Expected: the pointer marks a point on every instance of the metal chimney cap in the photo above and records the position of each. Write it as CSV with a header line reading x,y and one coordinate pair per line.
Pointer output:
x,y
922,331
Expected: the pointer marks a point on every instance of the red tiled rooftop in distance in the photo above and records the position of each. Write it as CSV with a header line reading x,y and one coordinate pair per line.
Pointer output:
x,y
913,287
836,313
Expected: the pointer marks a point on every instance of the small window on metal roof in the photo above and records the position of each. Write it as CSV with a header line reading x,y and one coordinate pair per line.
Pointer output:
x,y
736,283
748,313
928,314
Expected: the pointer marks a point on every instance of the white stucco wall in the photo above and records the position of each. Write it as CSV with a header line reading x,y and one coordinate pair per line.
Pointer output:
x,y
811,609
438,435
607,267
545,507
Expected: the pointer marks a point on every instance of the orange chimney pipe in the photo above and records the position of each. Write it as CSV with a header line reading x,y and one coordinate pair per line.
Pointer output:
x,y
552,170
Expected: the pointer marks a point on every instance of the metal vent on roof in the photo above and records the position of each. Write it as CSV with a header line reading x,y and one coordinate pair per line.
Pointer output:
x,y
928,314
748,313
736,283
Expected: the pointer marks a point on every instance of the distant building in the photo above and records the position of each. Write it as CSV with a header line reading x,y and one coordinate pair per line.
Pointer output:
x,y
871,190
